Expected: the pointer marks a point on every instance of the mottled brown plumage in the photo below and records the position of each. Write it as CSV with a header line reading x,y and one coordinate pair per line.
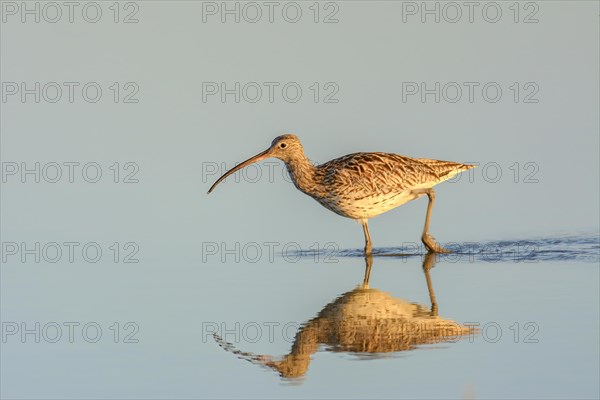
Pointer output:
x,y
364,322
361,185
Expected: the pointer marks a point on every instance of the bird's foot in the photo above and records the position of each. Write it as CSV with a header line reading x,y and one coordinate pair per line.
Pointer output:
x,y
432,245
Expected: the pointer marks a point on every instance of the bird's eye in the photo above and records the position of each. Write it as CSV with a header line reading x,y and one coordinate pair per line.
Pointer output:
x,y
282,145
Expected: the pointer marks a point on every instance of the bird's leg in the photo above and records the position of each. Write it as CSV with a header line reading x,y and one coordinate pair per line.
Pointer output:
x,y
428,240
368,265
428,263
368,246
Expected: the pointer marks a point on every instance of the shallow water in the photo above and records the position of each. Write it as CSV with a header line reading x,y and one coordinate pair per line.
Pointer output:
x,y
313,328
121,278
581,247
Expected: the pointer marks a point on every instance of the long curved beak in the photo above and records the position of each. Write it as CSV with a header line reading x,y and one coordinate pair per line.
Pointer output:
x,y
256,158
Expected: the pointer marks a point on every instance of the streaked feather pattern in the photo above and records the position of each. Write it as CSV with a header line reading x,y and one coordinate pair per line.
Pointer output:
x,y
363,185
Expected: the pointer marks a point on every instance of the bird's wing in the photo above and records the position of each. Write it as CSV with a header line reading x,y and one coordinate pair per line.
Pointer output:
x,y
372,174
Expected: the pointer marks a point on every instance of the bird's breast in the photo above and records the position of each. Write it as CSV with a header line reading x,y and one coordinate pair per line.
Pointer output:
x,y
366,207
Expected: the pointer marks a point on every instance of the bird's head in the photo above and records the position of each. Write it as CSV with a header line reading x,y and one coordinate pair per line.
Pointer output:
x,y
285,147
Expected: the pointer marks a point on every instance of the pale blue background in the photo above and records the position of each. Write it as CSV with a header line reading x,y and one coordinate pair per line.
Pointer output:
x,y
172,135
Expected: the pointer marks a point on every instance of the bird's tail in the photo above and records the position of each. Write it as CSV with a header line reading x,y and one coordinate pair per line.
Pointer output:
x,y
446,169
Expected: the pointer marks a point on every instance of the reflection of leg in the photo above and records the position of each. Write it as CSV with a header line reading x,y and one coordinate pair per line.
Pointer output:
x,y
368,265
428,240
428,263
368,246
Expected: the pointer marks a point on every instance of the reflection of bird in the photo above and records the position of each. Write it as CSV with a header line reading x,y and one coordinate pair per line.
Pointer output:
x,y
361,185
363,321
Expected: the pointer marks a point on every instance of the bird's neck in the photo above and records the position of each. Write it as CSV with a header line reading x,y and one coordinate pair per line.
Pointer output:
x,y
302,172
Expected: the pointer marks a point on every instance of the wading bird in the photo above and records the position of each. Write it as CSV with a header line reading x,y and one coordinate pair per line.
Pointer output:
x,y
361,185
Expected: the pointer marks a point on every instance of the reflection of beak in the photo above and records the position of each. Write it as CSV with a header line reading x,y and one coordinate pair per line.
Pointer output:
x,y
256,158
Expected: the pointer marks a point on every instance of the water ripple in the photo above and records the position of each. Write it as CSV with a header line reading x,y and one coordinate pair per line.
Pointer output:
x,y
579,248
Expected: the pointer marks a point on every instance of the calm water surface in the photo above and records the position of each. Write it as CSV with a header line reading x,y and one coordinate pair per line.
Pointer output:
x,y
504,319
201,315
